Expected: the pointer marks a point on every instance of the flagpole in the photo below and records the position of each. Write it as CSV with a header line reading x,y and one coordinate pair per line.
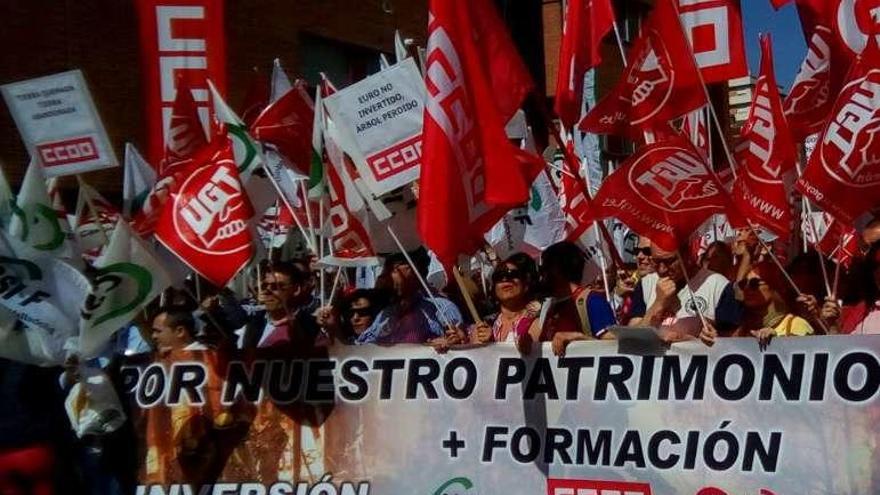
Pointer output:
x,y
274,229
620,44
809,209
321,246
335,284
837,268
469,302
311,236
427,289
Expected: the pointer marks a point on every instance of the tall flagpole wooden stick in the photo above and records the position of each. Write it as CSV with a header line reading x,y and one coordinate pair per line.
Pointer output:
x,y
812,226
311,225
469,302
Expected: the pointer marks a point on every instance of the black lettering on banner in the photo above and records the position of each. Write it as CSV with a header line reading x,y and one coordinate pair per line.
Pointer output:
x,y
692,385
505,378
605,377
630,450
532,447
746,381
820,374
241,381
691,449
189,378
470,378
285,380
490,443
842,375
557,441
654,446
596,452
387,367
355,388
541,381
790,383
319,386
416,378
574,366
768,456
152,386
731,449
646,378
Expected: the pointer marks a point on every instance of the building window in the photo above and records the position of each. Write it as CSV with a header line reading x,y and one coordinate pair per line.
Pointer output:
x,y
343,63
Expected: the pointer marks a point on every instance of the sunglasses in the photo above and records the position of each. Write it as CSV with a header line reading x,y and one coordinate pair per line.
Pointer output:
x,y
664,261
645,251
750,283
273,286
506,275
362,312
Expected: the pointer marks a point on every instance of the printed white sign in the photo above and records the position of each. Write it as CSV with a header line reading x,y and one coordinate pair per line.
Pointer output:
x,y
379,123
59,124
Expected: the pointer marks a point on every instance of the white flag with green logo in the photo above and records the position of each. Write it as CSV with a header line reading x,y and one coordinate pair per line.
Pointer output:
x,y
137,182
128,278
247,157
316,171
44,293
35,221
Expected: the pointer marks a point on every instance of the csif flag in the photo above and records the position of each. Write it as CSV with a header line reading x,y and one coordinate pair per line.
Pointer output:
x,y
128,277
586,23
247,156
138,180
664,192
471,173
35,220
660,84
205,218
766,154
843,175
95,218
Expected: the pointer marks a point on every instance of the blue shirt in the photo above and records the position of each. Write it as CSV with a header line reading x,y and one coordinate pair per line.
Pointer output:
x,y
422,322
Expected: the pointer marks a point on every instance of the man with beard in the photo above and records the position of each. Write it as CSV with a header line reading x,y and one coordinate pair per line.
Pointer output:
x,y
413,316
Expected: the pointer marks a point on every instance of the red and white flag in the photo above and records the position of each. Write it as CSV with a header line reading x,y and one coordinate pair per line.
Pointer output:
x,y
843,176
573,199
767,154
837,241
205,220
665,191
660,84
287,125
693,127
185,135
586,23
715,31
471,173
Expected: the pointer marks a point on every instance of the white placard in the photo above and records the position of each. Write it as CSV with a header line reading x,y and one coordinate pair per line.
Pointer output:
x,y
59,124
379,123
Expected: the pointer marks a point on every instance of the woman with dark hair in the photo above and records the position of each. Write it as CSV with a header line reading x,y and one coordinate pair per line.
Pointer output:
x,y
514,282
359,311
863,318
766,308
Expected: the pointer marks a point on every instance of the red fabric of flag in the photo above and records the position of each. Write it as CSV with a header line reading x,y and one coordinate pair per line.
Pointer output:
x,y
573,199
766,154
586,23
660,84
287,124
665,191
185,135
471,172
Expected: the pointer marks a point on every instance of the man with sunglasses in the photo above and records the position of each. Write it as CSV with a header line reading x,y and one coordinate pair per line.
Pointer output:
x,y
664,300
413,316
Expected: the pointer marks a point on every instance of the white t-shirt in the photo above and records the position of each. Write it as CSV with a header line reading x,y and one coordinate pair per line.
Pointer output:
x,y
706,287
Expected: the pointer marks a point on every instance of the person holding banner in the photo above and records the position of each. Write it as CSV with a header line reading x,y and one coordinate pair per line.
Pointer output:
x,y
414,317
685,300
766,313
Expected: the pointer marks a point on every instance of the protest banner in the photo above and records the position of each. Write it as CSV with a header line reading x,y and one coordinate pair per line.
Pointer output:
x,y
59,123
380,122
367,419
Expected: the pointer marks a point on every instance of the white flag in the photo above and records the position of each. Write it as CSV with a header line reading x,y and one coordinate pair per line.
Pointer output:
x,y
280,82
137,182
400,51
35,220
128,278
247,156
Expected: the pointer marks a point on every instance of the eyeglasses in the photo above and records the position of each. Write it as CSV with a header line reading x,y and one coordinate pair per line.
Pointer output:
x,y
506,275
362,312
664,261
750,283
273,286
644,251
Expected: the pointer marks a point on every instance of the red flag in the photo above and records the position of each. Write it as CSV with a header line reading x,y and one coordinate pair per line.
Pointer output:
x,y
810,100
256,98
586,23
573,199
715,31
205,220
843,176
766,155
185,135
778,3
837,241
664,192
287,124
471,173
694,127
660,84
351,243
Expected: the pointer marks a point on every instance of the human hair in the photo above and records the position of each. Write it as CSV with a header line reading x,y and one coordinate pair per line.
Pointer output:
x,y
177,316
566,258
296,274
527,266
420,258
870,291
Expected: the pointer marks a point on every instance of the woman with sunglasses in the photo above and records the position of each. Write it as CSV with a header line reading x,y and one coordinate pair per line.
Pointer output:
x,y
766,312
513,283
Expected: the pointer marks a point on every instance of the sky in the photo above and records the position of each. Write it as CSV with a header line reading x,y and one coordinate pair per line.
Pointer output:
x,y
784,26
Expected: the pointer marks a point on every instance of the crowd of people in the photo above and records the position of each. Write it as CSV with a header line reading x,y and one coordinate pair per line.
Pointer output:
x,y
731,289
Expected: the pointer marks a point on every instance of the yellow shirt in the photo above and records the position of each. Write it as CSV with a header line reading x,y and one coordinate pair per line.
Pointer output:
x,y
793,325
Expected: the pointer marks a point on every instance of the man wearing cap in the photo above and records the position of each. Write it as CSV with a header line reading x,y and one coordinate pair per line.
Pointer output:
x,y
413,317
